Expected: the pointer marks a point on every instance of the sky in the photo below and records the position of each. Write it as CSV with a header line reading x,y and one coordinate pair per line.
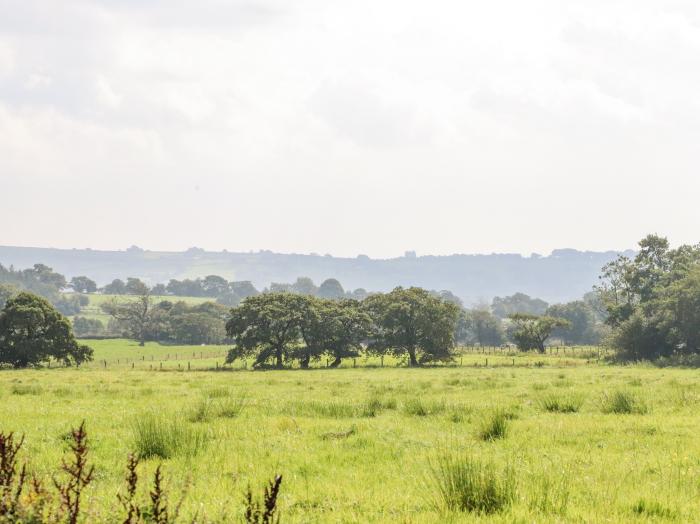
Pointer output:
x,y
365,127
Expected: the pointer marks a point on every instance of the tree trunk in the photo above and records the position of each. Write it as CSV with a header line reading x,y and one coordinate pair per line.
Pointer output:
x,y
412,357
304,362
336,362
278,359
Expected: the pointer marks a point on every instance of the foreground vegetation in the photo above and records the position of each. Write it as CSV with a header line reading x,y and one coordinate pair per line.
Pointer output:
x,y
558,439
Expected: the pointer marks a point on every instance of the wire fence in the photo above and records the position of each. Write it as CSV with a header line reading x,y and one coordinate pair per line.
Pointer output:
x,y
214,359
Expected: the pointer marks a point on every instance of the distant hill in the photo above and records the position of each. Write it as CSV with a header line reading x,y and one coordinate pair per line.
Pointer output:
x,y
566,274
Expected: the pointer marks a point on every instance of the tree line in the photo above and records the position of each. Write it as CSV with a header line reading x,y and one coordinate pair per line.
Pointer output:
x,y
652,302
646,308
143,319
278,328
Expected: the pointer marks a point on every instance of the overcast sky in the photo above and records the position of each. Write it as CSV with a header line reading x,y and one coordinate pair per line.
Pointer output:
x,y
347,127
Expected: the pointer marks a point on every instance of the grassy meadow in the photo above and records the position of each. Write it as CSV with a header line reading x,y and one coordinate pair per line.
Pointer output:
x,y
532,438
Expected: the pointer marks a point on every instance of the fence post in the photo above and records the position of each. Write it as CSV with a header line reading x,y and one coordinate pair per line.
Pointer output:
x,y
487,362
188,366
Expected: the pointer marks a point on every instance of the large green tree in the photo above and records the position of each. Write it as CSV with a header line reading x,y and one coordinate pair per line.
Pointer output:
x,y
334,327
331,289
265,326
483,327
678,312
582,328
32,331
137,316
116,287
651,300
414,323
6,291
83,284
503,307
531,331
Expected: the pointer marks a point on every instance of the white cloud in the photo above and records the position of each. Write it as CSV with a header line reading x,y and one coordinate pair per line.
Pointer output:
x,y
351,127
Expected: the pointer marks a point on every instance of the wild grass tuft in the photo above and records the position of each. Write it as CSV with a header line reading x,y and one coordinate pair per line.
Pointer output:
x,y
651,508
495,426
220,392
314,408
561,403
230,407
623,402
202,411
464,483
422,408
156,435
25,389
375,404
551,491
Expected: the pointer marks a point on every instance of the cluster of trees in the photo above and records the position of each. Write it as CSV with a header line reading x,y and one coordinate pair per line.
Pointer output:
x,y
530,322
44,281
330,289
32,331
652,301
519,303
214,286
143,319
283,327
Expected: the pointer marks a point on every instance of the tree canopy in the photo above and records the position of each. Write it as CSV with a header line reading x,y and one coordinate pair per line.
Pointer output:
x,y
83,284
503,307
286,326
653,301
32,331
413,323
532,331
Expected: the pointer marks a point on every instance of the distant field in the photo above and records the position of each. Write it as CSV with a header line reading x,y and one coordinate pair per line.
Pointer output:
x,y
93,309
359,445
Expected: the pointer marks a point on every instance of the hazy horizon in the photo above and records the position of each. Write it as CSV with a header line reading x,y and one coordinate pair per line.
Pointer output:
x,y
349,128
312,253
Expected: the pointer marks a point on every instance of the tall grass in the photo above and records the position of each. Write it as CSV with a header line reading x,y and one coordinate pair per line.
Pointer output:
x,y
230,407
623,402
651,508
375,404
26,389
202,411
421,408
561,403
156,435
464,483
208,408
550,491
495,426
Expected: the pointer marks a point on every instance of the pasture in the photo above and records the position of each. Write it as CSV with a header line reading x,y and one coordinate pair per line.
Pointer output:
x,y
566,438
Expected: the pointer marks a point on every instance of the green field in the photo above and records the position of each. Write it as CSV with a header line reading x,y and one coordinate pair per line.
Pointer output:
x,y
94,310
359,444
